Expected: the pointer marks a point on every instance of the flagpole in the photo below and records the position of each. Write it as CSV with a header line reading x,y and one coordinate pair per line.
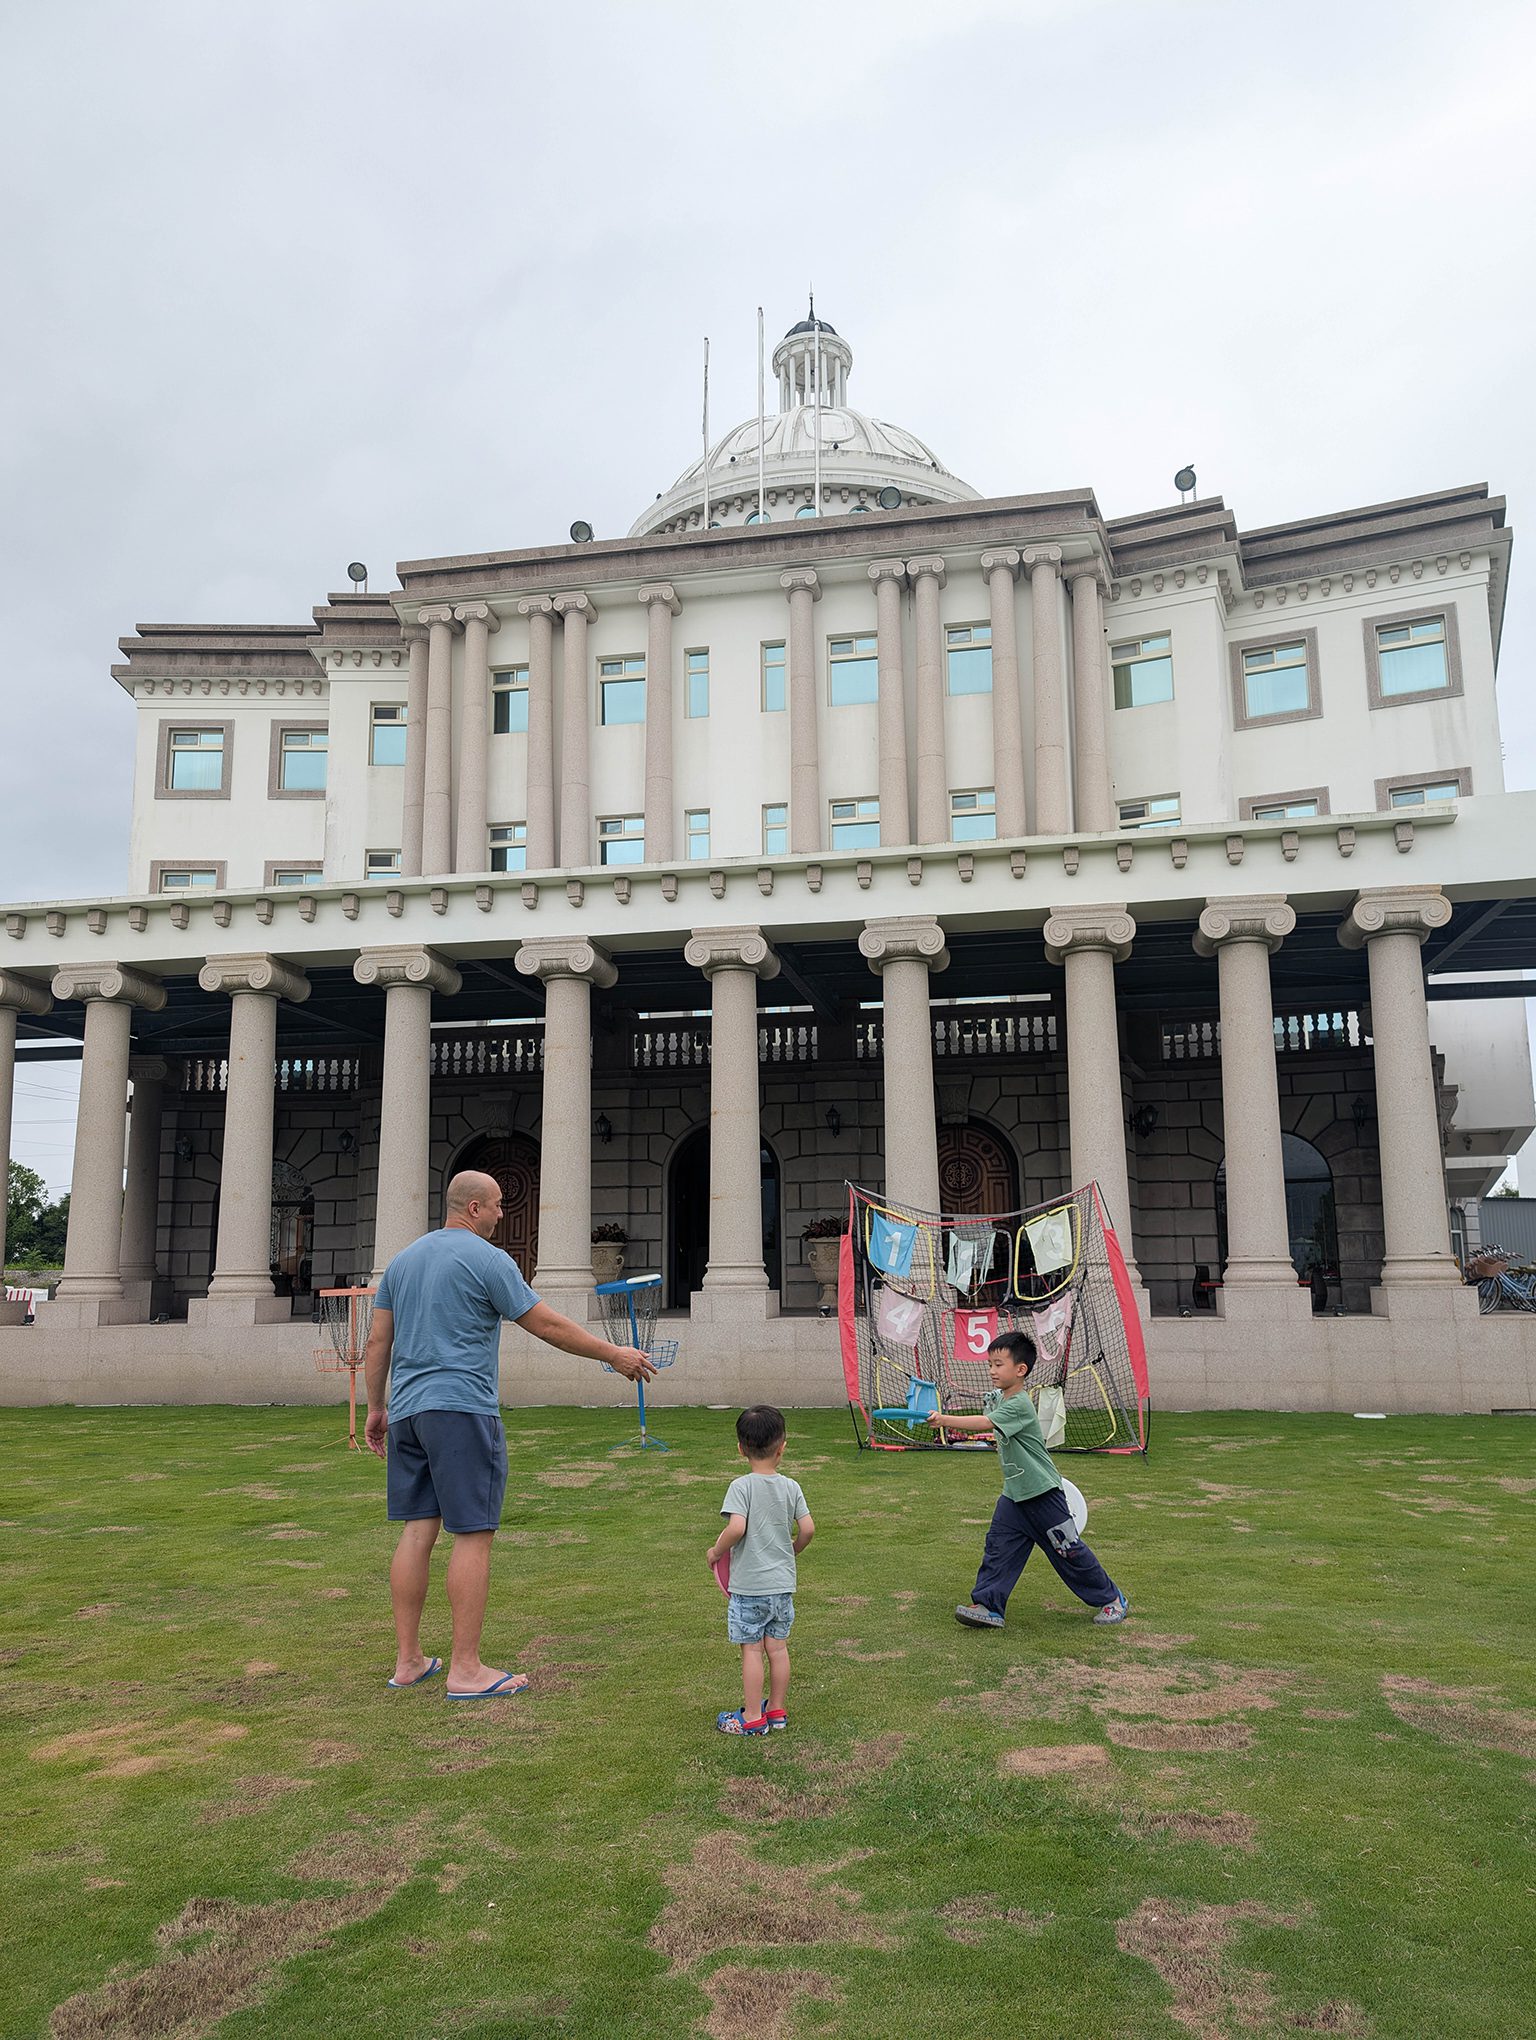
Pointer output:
x,y
761,499
706,432
816,421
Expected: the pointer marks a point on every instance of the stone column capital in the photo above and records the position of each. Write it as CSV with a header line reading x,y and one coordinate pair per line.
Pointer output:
x,y
406,964
1035,556
439,612
23,995
1089,569
254,973
801,578
1004,561
713,949
574,603
112,982
536,605
1072,929
1258,917
905,938
888,570
148,1069
476,612
930,563
663,592
566,956
1394,910
414,633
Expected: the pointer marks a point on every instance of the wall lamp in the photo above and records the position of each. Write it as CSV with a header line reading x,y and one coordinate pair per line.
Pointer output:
x,y
346,1140
1360,1112
602,1126
184,1148
1143,1121
834,1121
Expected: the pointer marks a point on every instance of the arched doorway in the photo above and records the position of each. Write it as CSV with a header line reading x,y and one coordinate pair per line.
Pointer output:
x,y
978,1177
293,1219
1311,1217
514,1161
688,1214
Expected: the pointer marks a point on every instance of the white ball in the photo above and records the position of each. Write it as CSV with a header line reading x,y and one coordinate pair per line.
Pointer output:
x,y
1076,1504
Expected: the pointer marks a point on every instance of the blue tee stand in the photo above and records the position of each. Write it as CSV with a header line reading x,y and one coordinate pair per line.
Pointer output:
x,y
922,1400
619,1303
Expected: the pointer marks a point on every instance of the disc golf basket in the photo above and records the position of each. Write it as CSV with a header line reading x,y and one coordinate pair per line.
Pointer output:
x,y
630,1309
346,1315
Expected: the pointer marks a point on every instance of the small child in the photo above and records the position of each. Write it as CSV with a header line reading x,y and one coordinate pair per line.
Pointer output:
x,y
767,1526
1031,1509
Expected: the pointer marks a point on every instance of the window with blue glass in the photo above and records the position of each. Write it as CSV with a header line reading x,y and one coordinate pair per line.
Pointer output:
x,y
853,670
973,815
509,701
621,839
509,846
1411,656
776,829
623,685
1143,669
386,734
1275,680
696,677
196,761
856,824
968,658
302,769
773,679
696,828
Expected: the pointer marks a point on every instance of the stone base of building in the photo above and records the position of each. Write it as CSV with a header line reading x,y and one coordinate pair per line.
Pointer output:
x,y
12,1313
86,1313
1263,1300
234,1313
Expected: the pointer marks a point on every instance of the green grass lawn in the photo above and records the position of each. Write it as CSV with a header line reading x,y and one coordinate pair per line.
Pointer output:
x,y
1293,1793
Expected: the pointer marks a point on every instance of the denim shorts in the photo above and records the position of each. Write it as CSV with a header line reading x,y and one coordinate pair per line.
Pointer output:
x,y
751,1617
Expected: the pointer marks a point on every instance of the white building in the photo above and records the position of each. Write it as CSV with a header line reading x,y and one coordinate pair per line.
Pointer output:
x,y
836,823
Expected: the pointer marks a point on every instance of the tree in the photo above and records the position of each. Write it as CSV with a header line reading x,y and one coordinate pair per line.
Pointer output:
x,y
34,1228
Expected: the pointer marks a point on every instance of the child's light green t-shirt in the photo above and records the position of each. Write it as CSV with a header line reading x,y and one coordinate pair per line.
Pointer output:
x,y
1028,1469
764,1561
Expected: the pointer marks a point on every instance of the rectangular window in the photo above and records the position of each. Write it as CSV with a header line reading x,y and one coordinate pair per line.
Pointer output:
x,y
509,846
856,824
696,822
509,701
302,761
623,685
776,830
773,679
296,874
1275,681
1284,811
381,864
1411,657
621,840
195,762
968,658
1432,789
189,879
386,733
1159,813
1143,671
853,669
973,816
697,665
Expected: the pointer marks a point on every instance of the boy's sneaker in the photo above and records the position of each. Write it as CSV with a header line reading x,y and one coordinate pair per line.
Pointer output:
x,y
976,1617
776,1717
1113,1611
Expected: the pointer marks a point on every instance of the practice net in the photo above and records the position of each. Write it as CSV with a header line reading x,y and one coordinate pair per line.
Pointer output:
x,y
922,1295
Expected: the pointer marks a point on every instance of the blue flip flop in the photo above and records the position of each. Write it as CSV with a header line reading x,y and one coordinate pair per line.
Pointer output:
x,y
502,1689
434,1666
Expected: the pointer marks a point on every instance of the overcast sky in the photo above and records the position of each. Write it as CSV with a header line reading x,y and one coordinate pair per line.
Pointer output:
x,y
296,282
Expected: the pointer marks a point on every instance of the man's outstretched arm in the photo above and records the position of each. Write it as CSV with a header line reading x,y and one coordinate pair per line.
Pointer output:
x,y
557,1330
381,1337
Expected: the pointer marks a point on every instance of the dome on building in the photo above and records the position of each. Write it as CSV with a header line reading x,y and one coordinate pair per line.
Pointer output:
x,y
859,455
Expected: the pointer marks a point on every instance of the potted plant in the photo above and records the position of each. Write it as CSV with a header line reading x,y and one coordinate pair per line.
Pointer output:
x,y
608,1252
823,1246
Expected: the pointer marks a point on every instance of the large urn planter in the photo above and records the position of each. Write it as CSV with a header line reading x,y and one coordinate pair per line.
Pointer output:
x,y
608,1243
822,1258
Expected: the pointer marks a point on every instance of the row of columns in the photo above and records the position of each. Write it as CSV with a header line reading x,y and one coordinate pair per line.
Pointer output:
x,y
441,833
111,1245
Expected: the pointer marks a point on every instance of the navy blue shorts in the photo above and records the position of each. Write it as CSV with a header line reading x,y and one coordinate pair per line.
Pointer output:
x,y
448,1463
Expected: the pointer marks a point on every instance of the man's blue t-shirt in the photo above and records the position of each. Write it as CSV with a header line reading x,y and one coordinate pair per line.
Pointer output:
x,y
449,1292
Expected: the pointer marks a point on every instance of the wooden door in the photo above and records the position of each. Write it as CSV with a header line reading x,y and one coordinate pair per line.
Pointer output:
x,y
977,1178
514,1162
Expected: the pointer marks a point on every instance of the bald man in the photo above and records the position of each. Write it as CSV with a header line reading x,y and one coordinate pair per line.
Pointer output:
x,y
435,1339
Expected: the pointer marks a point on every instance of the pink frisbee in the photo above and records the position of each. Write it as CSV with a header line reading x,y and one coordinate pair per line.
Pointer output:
x,y
722,1572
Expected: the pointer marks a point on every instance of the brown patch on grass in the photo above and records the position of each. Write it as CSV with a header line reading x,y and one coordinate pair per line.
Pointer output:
x,y
570,1479
257,1490
723,1897
252,1795
1511,1483
1168,1690
291,1533
849,1647
1193,1738
128,1749
1328,1713
1460,1714
1143,1639
335,1593
1218,1830
325,1754
1051,1759
758,2004
967,1914
261,1668
1334,2017
525,1537
146,1476
103,1883
1187,1945
364,1857
833,1782
548,1674
96,1608
307,1466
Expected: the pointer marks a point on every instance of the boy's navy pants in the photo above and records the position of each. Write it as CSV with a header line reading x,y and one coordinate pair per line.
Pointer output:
x,y
1016,1528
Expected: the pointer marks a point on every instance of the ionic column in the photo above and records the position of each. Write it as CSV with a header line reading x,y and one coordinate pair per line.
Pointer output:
x,y
889,577
902,953
414,796
408,976
1089,942
472,850
576,612
805,817
568,968
733,959
437,792
241,1289
1095,809
1418,1271
91,1291
539,797
661,605
1007,709
1260,1280
141,1192
1053,815
927,577
17,995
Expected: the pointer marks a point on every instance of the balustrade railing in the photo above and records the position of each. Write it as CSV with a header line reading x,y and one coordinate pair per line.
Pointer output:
x,y
291,1073
994,1030
1300,1031
489,1052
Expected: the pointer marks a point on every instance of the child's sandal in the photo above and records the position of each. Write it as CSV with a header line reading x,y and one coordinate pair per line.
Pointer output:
x,y
732,1722
776,1717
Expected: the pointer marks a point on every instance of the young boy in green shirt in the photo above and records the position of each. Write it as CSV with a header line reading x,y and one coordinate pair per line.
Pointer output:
x,y
1031,1509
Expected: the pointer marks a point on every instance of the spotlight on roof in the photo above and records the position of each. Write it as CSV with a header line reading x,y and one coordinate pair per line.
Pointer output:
x,y
356,571
1184,482
581,532
889,498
